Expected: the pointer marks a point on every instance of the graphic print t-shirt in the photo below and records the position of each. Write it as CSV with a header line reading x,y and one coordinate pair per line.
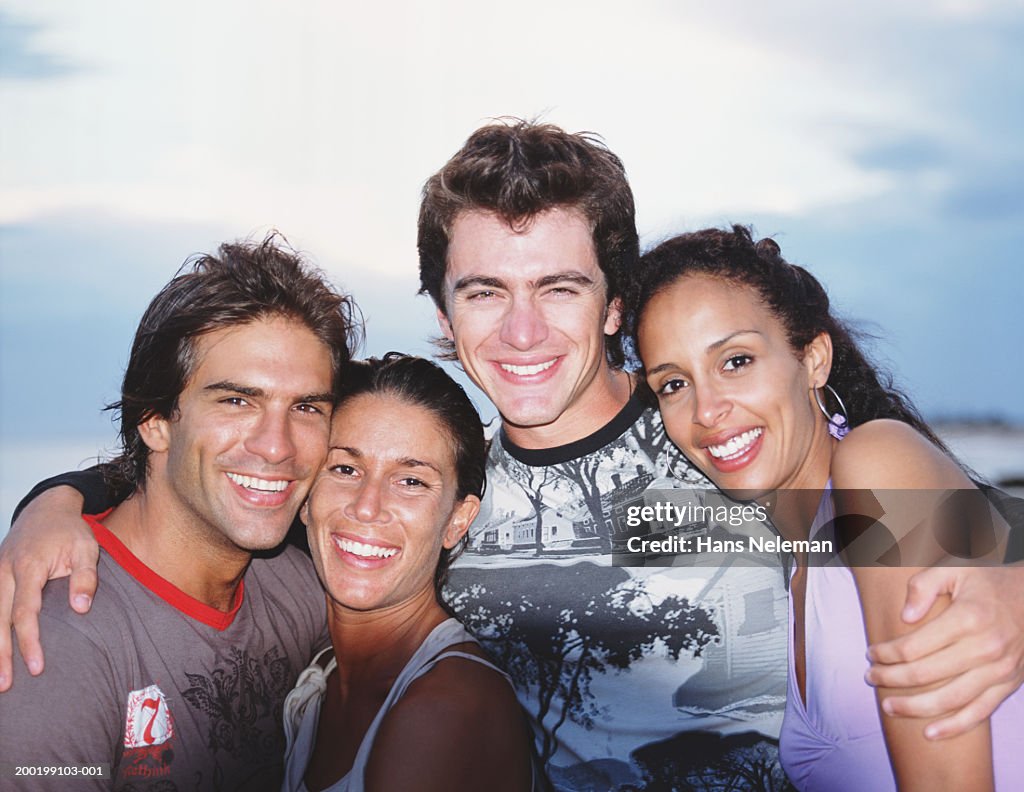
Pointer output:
x,y
173,694
635,677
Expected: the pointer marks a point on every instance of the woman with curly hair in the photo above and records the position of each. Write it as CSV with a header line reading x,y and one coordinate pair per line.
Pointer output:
x,y
768,393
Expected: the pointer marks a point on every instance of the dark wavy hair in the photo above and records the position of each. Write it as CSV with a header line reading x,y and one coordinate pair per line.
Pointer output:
x,y
793,295
516,170
243,282
421,383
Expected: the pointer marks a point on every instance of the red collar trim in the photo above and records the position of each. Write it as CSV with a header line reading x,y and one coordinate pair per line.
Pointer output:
x,y
162,587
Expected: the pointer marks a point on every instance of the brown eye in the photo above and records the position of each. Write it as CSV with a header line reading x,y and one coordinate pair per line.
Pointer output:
x,y
672,386
737,362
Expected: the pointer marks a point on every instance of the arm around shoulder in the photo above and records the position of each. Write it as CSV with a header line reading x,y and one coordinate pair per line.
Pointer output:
x,y
48,540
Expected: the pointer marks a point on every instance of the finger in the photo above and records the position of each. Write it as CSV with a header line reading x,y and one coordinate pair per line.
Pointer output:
x,y
927,639
82,586
938,667
6,643
941,701
924,588
966,718
28,601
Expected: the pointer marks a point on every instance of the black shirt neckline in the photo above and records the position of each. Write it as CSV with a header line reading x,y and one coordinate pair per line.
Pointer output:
x,y
542,457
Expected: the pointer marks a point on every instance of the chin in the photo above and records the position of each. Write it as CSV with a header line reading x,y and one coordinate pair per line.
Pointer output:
x,y
263,540
745,489
528,415
737,487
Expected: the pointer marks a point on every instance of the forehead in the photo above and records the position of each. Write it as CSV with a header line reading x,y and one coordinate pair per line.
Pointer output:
x,y
387,427
707,299
698,309
484,245
271,353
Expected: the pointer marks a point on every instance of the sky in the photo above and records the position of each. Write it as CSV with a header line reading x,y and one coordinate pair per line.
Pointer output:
x,y
879,143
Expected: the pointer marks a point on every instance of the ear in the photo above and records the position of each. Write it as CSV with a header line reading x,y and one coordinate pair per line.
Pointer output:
x,y
818,360
445,325
613,317
156,433
304,511
463,516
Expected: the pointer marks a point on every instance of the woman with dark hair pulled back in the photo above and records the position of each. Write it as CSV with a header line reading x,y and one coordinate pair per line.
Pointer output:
x,y
769,394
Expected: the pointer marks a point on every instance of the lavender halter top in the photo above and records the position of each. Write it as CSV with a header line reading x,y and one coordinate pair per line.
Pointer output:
x,y
834,741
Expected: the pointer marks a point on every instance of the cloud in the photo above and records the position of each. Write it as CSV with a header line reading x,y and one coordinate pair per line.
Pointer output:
x,y
306,116
993,197
908,154
20,56
881,140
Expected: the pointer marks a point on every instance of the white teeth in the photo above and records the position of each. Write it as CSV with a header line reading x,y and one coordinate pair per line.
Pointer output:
x,y
365,550
253,483
525,371
735,446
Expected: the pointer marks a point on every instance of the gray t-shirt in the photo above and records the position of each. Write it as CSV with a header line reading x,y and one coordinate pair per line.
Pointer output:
x,y
173,694
635,677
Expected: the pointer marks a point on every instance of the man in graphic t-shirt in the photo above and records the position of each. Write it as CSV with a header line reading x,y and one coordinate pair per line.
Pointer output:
x,y
176,677
635,677
666,675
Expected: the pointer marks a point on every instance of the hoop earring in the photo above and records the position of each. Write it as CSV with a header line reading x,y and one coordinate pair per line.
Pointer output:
x,y
838,423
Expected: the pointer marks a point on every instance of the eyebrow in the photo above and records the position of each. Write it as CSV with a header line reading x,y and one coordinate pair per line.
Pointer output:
x,y
412,462
477,280
227,386
404,461
722,342
710,348
471,281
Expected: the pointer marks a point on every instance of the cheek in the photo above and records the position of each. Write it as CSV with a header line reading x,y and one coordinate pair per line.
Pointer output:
x,y
676,426
421,523
325,501
316,554
472,327
312,442
577,321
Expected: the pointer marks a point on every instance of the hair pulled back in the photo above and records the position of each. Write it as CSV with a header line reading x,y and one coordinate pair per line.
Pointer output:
x,y
419,382
794,296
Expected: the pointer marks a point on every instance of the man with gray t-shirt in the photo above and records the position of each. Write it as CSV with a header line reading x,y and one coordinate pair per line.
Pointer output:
x,y
177,676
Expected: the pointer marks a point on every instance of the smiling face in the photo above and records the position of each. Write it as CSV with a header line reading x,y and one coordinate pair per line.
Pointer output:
x,y
734,395
235,461
384,504
528,313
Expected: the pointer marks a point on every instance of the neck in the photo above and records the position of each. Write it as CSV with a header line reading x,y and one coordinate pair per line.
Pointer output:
x,y
606,396
377,644
794,506
177,551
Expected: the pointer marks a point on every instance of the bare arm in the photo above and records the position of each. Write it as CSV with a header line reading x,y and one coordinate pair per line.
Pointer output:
x,y
48,540
885,455
458,727
975,648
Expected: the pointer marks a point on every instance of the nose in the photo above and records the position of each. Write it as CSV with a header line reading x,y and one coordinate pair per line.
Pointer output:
x,y
710,405
367,504
523,326
271,437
